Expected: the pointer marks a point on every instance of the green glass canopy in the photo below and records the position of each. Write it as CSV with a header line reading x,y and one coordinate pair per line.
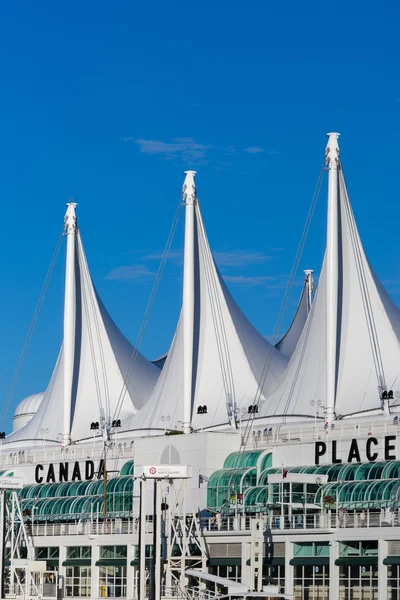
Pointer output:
x,y
78,500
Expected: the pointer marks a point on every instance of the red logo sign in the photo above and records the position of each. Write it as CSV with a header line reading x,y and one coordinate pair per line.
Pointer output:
x,y
152,470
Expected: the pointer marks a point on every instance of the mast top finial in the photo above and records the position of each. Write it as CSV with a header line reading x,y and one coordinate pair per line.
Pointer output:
x,y
332,152
70,217
189,188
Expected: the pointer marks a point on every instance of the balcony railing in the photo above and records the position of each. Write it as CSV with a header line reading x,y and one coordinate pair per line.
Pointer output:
x,y
263,437
325,520
89,528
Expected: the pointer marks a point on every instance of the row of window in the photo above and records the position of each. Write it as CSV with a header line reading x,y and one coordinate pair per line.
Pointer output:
x,y
310,581
112,582
81,552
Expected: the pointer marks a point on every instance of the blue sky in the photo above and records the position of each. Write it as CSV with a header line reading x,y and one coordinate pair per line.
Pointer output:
x,y
108,103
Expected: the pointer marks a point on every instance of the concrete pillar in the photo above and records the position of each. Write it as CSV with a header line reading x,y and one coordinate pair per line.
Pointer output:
x,y
130,572
95,572
382,569
246,568
289,570
61,572
333,571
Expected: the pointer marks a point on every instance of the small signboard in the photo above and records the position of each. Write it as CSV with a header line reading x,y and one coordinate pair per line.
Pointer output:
x,y
11,483
167,472
298,478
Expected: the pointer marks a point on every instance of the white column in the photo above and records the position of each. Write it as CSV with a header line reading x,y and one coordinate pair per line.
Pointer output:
x,y
157,537
95,572
69,320
246,568
62,571
142,540
2,538
332,277
382,569
333,571
189,197
131,592
289,570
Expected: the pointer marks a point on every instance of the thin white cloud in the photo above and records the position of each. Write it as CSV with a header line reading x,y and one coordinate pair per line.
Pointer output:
x,y
173,255
240,258
229,258
129,272
187,149
270,282
249,279
254,150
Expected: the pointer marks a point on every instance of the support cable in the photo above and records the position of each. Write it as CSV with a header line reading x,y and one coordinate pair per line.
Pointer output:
x,y
218,320
362,279
145,320
282,311
31,329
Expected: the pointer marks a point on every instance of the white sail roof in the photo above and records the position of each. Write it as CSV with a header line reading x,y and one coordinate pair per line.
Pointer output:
x,y
227,353
367,341
289,341
102,362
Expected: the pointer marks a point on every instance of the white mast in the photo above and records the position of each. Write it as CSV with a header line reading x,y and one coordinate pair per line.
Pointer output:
x,y
189,198
69,320
332,273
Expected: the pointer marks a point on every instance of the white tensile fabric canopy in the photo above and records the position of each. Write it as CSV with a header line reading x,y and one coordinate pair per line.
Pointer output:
x,y
228,356
102,363
367,341
289,341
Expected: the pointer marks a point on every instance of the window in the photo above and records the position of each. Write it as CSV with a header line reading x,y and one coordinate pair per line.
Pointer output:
x,y
47,553
78,582
311,582
311,549
79,552
228,572
358,581
112,582
394,582
368,548
113,552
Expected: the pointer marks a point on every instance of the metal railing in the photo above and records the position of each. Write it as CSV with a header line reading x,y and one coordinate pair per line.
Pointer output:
x,y
89,528
282,434
231,524
320,520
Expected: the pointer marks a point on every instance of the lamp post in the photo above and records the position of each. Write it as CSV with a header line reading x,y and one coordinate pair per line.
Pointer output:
x,y
316,406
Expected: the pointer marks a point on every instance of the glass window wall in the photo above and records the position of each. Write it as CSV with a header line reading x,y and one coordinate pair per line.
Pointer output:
x,y
78,582
393,582
359,582
112,582
311,582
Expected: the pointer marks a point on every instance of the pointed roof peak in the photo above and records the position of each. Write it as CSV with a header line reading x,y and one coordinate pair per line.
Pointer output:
x,y
217,358
333,135
70,217
332,152
189,187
